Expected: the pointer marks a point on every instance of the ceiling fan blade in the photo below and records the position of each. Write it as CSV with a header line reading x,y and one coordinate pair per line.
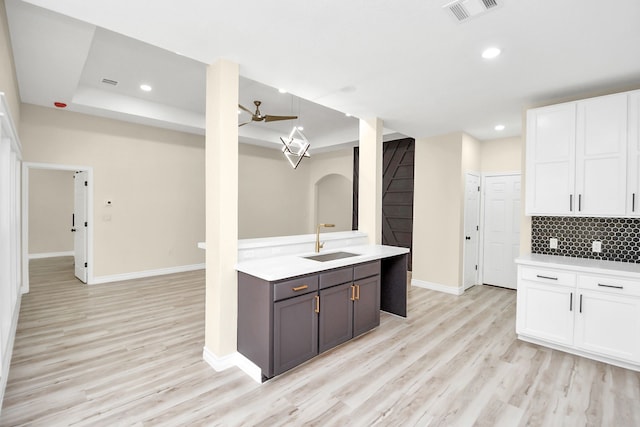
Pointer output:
x,y
268,118
245,109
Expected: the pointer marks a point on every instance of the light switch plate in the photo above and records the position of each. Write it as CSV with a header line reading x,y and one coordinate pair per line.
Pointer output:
x,y
597,246
553,243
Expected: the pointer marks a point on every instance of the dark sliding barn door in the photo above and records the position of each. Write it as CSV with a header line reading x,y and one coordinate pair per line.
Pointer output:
x,y
397,192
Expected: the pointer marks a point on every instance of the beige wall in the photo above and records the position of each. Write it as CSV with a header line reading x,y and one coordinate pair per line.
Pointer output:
x,y
501,155
438,216
339,162
276,200
8,81
50,211
333,202
437,209
273,198
154,177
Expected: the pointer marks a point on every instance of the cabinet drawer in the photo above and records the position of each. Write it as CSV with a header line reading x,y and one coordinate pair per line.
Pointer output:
x,y
336,277
544,275
365,270
609,284
291,288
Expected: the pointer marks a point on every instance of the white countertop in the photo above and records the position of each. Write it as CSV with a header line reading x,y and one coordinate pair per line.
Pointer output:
x,y
581,264
282,267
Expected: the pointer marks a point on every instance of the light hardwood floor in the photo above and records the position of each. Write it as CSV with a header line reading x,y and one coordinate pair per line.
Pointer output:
x,y
130,353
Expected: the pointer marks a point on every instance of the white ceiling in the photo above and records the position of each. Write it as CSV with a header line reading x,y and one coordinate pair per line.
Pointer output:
x,y
407,62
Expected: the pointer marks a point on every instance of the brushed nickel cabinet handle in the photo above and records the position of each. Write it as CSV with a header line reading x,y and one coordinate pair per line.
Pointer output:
x,y
610,286
300,288
570,202
579,202
580,303
546,277
571,302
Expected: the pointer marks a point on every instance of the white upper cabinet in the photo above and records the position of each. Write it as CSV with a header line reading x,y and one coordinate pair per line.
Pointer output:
x,y
601,156
551,140
633,180
577,158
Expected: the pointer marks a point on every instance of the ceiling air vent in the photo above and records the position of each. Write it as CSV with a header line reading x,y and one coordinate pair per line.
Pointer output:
x,y
462,10
110,82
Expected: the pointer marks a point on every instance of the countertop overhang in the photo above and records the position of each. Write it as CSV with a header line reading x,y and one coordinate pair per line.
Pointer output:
x,y
286,266
584,265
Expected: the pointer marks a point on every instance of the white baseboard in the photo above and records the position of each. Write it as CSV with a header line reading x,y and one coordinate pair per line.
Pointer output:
x,y
6,357
51,254
437,287
146,273
233,359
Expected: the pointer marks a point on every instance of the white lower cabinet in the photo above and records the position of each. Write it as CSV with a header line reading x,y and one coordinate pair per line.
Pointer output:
x,y
544,311
593,315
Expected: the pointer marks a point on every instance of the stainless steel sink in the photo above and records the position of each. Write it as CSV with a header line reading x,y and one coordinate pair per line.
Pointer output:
x,y
330,256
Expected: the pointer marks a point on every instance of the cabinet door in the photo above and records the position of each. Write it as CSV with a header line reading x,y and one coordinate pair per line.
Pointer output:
x,y
551,136
545,311
295,335
609,325
366,307
336,316
633,180
601,156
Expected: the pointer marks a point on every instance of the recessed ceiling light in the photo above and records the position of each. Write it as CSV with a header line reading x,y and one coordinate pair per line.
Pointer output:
x,y
300,127
239,112
499,127
491,53
145,88
282,90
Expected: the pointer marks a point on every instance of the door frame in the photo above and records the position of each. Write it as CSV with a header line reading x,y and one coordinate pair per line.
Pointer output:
x,y
26,167
479,232
482,217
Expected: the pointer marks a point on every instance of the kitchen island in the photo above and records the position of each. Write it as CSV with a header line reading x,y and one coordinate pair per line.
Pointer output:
x,y
292,307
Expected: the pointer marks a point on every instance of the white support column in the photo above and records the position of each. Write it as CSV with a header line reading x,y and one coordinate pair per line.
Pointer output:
x,y
370,180
221,155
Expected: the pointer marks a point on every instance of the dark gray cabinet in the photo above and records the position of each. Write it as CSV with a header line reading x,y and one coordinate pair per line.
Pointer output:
x,y
295,331
285,323
366,305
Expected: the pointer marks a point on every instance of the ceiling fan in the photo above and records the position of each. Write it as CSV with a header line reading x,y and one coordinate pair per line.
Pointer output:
x,y
259,117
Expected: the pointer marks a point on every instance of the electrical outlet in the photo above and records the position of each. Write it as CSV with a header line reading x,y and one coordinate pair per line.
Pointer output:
x,y
597,246
553,243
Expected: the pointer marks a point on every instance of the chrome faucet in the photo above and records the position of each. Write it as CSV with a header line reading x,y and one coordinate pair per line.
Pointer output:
x,y
318,244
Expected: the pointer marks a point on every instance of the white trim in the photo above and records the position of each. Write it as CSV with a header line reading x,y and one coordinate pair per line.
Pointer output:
x,y
50,254
26,167
233,359
146,273
6,358
437,287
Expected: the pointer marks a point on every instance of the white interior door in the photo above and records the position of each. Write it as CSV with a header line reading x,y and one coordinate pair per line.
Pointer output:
x,y
79,226
501,231
471,227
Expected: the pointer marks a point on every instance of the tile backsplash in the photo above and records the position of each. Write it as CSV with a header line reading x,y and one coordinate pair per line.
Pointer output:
x,y
620,237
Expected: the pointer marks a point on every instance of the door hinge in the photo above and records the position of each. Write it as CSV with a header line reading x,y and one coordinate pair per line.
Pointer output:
x,y
476,267
478,188
477,228
86,223
86,183
85,265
